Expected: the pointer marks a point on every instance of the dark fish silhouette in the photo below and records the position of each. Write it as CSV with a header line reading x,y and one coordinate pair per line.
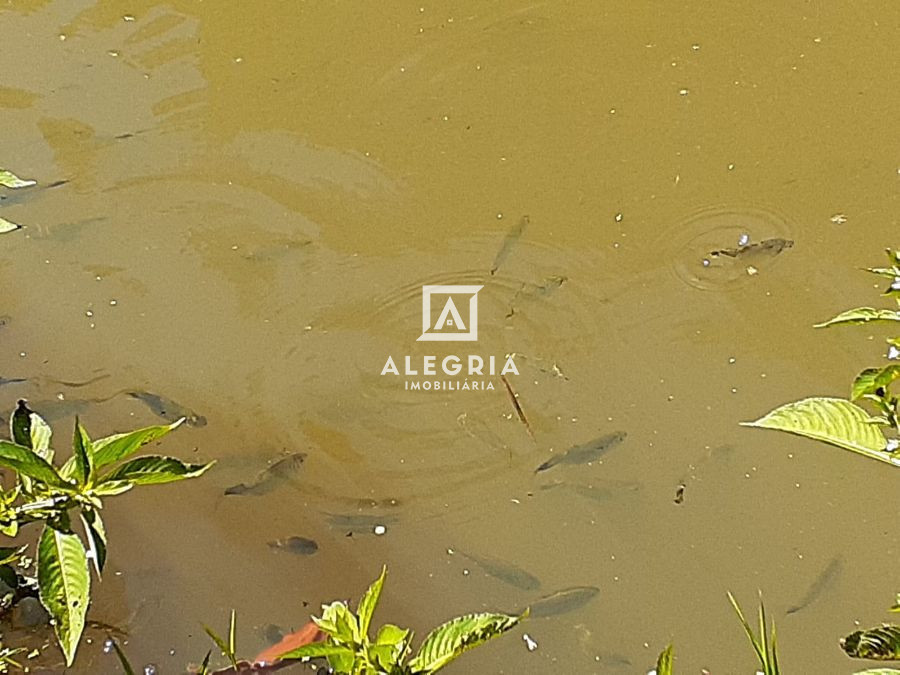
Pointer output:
x,y
827,577
11,380
168,409
560,602
587,452
271,477
296,545
509,241
770,247
358,523
505,572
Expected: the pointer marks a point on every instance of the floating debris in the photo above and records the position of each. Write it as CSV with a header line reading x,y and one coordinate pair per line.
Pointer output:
x,y
513,397
679,494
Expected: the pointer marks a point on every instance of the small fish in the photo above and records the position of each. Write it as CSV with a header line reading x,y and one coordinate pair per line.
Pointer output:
x,y
358,523
585,453
561,602
297,545
272,633
271,477
828,576
11,380
598,492
57,409
505,572
530,291
168,409
769,247
509,242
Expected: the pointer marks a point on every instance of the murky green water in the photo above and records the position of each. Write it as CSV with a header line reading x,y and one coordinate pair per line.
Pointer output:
x,y
257,193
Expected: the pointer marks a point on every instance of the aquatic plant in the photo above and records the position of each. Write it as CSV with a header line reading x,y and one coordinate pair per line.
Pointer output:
x,y
57,495
349,649
11,181
842,422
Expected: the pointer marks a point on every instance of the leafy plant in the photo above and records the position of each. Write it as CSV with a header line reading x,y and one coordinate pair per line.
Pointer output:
x,y
350,650
842,422
766,650
58,496
10,180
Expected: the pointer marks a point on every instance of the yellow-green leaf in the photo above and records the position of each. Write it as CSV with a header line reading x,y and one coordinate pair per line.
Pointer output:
x,y
65,586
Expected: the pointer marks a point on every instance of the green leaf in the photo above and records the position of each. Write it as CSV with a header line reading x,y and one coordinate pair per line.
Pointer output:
x,y
83,454
878,644
112,487
8,226
40,437
152,470
664,662
24,461
861,315
832,420
10,554
228,649
339,622
871,379
389,634
446,642
768,658
368,602
10,180
390,646
65,585
315,650
119,446
878,671
20,424
96,537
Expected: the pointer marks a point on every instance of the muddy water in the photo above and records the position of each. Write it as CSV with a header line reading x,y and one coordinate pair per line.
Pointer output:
x,y
258,192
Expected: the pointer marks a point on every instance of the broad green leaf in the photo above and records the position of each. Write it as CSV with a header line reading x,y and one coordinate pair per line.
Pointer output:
x,y
65,586
152,470
832,420
10,180
389,634
96,537
861,315
368,602
82,453
8,226
339,622
870,379
878,671
27,463
449,640
40,437
113,487
664,662
119,446
316,650
879,644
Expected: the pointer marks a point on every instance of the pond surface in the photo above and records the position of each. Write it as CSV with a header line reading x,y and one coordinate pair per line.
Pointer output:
x,y
257,193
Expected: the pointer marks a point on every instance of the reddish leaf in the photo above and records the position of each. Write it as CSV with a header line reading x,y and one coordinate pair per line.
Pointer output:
x,y
309,633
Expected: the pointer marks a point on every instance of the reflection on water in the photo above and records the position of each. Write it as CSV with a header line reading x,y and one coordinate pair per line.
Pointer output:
x,y
254,196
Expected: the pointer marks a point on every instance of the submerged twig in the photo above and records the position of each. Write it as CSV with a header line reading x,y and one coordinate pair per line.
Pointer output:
x,y
515,401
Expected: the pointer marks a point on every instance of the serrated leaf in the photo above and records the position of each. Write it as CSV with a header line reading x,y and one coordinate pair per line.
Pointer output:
x,y
96,537
368,602
879,644
24,461
861,315
119,446
832,420
449,640
64,584
153,470
10,180
664,662
82,453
